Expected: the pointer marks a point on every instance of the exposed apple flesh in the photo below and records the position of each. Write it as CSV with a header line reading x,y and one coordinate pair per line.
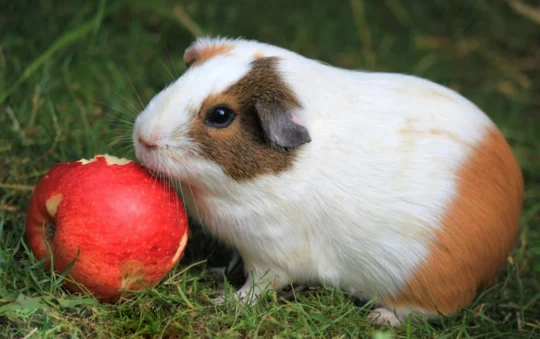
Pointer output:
x,y
119,223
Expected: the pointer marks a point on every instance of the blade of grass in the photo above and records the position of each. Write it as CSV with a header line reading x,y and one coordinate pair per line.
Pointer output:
x,y
525,10
68,268
359,11
178,14
187,22
398,11
99,19
17,187
62,42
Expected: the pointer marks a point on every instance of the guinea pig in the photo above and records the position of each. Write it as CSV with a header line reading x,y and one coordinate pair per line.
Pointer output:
x,y
386,186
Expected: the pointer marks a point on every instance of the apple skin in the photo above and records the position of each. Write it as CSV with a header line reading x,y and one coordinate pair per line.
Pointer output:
x,y
120,223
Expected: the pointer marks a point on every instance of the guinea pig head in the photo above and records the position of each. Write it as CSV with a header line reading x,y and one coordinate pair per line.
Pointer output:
x,y
231,114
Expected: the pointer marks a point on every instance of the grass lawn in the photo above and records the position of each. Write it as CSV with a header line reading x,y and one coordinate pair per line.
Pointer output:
x,y
73,74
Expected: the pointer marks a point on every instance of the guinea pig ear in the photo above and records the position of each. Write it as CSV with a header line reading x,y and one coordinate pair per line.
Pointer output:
x,y
281,125
190,56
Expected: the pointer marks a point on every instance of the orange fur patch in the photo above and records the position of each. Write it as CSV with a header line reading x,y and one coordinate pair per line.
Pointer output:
x,y
198,55
258,55
478,232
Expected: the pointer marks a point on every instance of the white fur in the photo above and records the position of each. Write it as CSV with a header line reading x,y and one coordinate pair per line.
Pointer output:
x,y
359,207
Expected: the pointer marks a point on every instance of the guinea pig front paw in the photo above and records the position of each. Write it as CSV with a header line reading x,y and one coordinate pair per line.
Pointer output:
x,y
248,296
243,296
383,316
220,300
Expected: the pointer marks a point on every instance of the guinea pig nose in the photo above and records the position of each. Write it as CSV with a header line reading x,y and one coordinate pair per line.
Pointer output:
x,y
146,143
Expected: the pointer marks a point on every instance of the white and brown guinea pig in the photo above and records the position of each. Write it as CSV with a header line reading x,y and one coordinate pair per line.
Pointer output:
x,y
386,186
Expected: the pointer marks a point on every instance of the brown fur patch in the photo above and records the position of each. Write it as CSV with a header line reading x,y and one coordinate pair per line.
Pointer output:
x,y
477,234
242,149
197,55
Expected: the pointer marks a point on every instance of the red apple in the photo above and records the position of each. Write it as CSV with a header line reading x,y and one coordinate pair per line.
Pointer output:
x,y
117,223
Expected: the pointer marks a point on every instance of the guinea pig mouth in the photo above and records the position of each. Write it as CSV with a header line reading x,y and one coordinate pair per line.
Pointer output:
x,y
160,171
150,162
164,163
154,172
150,168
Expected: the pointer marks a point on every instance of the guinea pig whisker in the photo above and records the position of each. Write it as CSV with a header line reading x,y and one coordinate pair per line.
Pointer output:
x,y
131,113
126,130
167,69
120,139
121,112
162,176
178,159
172,63
182,194
136,93
165,178
177,168
125,150
193,199
127,123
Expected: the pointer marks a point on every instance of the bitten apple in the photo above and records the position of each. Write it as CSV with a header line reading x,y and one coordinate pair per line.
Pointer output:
x,y
117,223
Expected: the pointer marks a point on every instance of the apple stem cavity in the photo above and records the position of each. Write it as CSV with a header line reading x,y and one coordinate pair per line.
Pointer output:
x,y
51,229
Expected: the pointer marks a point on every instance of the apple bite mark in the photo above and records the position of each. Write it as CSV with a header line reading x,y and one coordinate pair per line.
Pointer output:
x,y
112,160
52,204
87,161
109,159
132,271
181,247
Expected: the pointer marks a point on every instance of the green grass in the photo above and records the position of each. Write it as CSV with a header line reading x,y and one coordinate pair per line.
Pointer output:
x,y
74,74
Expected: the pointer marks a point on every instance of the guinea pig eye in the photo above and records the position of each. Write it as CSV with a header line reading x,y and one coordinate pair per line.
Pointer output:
x,y
219,117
